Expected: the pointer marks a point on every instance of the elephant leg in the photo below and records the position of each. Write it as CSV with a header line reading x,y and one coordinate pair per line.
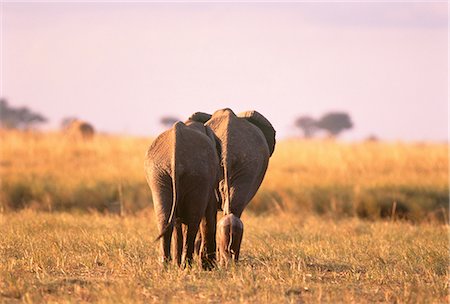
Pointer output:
x,y
236,246
191,233
209,236
199,241
165,246
195,202
222,249
178,240
162,201
236,255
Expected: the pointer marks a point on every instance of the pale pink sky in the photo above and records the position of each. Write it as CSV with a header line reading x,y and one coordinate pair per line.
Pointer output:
x,y
124,65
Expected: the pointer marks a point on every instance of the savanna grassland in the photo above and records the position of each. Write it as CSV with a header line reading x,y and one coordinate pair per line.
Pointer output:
x,y
52,172
332,222
67,257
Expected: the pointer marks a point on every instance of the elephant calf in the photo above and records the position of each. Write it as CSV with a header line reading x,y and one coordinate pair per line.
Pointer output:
x,y
229,236
181,168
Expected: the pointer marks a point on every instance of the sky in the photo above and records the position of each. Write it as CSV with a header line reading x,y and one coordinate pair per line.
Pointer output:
x,y
122,66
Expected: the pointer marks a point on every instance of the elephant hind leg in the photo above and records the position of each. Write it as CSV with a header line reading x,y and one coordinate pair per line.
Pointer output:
x,y
178,240
202,241
208,231
191,234
198,247
165,245
162,202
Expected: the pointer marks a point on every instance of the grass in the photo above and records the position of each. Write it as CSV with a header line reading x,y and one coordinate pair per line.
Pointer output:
x,y
54,172
51,172
286,258
359,179
310,234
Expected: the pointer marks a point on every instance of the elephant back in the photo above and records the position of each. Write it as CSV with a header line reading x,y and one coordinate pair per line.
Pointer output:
x,y
79,129
263,124
200,117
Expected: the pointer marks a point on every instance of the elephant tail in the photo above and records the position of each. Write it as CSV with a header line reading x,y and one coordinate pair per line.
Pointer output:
x,y
226,209
173,219
230,243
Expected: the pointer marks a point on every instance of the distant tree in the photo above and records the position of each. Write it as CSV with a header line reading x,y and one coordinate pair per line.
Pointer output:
x,y
307,124
18,118
335,122
168,121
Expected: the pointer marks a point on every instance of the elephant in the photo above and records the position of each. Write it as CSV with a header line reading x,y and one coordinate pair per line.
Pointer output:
x,y
229,236
245,143
181,169
79,129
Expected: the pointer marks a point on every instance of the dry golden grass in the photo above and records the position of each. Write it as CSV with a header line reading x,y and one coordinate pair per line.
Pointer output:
x,y
363,179
289,253
53,172
286,258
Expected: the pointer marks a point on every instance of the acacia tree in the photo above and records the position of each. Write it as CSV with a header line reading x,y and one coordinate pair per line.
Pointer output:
x,y
307,124
335,122
18,118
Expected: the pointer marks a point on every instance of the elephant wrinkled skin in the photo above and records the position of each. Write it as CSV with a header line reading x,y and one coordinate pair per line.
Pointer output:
x,y
245,143
181,168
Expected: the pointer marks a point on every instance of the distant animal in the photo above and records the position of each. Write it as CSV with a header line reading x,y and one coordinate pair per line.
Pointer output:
x,y
245,143
229,236
181,169
79,129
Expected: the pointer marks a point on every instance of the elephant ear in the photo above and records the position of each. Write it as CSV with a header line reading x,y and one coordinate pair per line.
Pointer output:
x,y
200,117
263,124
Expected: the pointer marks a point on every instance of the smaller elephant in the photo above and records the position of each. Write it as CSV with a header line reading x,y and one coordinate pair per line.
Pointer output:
x,y
229,236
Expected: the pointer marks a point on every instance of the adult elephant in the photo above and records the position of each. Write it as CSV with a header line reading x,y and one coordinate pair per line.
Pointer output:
x,y
181,168
79,129
246,142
